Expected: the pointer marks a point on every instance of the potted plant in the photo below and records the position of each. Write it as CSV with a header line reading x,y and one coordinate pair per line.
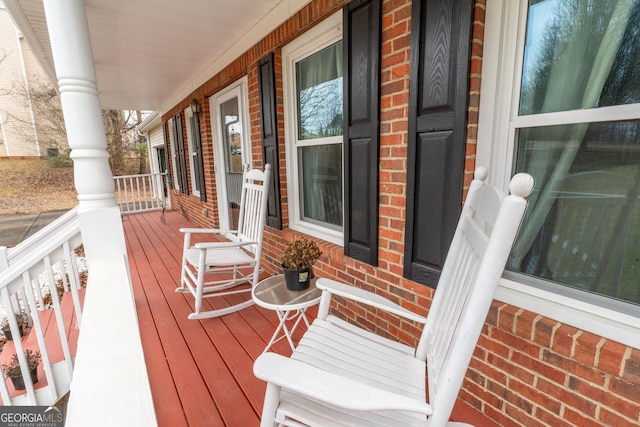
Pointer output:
x,y
12,369
297,260
23,323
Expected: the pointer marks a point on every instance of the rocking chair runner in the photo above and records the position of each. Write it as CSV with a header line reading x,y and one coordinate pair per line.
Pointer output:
x,y
342,375
221,268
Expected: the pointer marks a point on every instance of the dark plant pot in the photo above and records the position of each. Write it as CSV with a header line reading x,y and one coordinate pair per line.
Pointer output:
x,y
296,280
9,336
18,381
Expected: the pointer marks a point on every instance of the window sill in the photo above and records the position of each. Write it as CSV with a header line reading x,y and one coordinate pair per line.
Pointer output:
x,y
321,233
607,322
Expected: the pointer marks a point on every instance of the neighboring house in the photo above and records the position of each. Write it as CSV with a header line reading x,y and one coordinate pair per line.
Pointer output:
x,y
431,89
19,69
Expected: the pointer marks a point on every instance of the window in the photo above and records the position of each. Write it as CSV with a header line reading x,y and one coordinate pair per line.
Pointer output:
x,y
195,184
570,116
312,71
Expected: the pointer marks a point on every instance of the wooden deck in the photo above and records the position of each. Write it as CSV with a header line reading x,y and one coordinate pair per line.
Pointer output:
x,y
201,372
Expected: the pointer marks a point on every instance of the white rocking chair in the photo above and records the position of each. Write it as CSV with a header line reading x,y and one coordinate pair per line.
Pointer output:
x,y
225,268
343,375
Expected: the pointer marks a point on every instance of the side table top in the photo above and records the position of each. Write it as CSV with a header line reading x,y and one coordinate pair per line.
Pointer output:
x,y
272,293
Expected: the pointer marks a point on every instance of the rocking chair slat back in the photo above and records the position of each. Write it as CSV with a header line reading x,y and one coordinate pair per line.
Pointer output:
x,y
470,275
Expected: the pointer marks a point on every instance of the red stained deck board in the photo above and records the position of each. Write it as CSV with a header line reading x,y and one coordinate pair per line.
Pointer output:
x,y
165,395
206,353
193,397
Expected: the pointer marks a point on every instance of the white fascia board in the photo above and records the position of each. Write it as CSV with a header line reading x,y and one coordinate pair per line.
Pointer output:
x,y
151,122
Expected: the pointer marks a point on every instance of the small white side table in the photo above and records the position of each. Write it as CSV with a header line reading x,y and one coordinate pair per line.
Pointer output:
x,y
272,293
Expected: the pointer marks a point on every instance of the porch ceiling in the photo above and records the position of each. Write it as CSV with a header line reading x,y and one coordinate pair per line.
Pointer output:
x,y
150,54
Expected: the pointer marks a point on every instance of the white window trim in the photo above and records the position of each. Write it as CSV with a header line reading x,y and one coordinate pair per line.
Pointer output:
x,y
496,129
239,89
174,154
188,114
319,37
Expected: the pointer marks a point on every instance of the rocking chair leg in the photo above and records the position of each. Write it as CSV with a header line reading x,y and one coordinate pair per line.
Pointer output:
x,y
271,401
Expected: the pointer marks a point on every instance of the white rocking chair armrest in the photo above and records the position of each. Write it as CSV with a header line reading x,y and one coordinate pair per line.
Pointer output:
x,y
223,245
206,230
367,297
333,389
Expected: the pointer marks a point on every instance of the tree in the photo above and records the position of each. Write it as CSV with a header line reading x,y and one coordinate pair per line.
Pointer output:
x,y
43,99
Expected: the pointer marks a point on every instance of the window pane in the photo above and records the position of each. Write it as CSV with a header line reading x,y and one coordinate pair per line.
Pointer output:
x,y
319,93
580,54
232,135
582,226
321,189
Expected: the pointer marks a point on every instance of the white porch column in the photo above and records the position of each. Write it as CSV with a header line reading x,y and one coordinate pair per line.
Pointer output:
x,y
100,220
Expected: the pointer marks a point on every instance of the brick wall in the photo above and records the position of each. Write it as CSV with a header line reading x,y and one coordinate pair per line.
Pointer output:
x,y
527,369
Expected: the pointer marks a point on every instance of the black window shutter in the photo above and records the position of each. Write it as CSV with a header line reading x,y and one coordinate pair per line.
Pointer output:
x,y
361,129
438,102
175,154
198,161
269,132
182,158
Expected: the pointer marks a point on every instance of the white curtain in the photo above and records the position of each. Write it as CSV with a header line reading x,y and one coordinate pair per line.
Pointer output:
x,y
580,66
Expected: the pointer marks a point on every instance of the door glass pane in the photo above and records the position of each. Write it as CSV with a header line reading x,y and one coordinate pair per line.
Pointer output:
x,y
232,134
582,227
319,93
321,189
232,145
580,54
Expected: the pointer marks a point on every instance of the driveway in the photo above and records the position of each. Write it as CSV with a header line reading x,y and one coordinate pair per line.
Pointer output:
x,y
15,228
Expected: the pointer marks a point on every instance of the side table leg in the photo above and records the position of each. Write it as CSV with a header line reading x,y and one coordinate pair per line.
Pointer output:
x,y
282,326
282,318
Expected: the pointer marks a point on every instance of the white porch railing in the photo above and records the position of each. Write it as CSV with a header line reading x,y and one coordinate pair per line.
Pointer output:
x,y
141,193
107,371
31,276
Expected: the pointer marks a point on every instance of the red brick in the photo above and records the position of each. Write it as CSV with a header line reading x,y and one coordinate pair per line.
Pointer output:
x,y
610,418
622,399
631,371
527,391
550,419
625,389
610,357
558,391
544,332
586,372
587,346
542,370
578,419
521,417
563,339
506,317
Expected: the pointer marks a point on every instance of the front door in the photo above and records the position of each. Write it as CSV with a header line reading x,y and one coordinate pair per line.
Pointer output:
x,y
231,148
